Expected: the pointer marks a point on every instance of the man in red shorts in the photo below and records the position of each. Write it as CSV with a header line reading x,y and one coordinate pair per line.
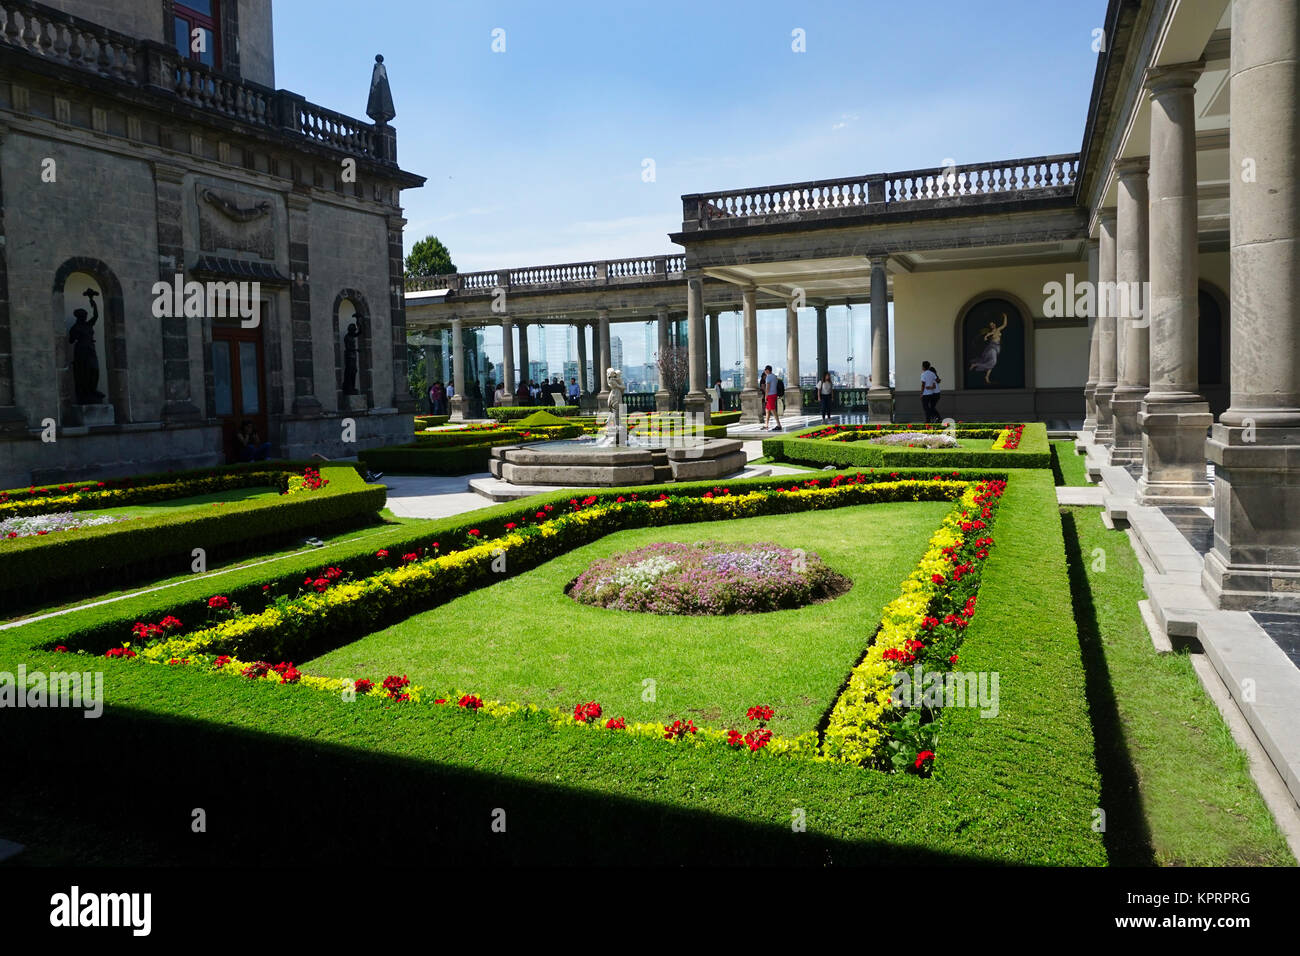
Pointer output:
x,y
769,400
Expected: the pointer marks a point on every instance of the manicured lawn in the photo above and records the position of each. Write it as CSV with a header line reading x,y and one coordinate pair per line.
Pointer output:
x,y
1176,788
1069,468
524,639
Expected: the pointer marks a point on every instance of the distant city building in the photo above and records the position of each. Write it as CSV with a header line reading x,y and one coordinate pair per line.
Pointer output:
x,y
616,352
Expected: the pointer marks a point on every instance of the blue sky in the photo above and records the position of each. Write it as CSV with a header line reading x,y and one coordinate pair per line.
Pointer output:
x,y
535,154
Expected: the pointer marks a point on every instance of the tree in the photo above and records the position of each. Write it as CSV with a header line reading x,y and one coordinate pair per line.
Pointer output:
x,y
429,257
675,373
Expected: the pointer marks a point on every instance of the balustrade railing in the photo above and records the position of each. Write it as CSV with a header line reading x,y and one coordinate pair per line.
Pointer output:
x,y
601,271
1029,178
70,41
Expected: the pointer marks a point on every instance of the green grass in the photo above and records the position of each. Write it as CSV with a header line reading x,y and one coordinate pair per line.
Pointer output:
x,y
1016,789
1069,468
554,651
1177,788
177,505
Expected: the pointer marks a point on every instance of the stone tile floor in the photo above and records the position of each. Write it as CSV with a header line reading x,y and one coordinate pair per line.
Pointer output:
x,y
1284,629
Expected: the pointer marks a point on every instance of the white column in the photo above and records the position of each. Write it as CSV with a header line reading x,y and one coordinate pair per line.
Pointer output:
x,y
1132,316
1105,326
1094,356
507,360
751,400
880,397
457,405
697,399
793,393
1174,417
663,397
715,348
603,359
1255,447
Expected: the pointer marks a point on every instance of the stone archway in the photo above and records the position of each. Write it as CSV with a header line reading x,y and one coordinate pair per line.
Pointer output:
x,y
71,279
981,336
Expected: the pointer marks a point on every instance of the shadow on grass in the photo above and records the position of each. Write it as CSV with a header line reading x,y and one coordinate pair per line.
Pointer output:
x,y
122,791
1127,837
1058,476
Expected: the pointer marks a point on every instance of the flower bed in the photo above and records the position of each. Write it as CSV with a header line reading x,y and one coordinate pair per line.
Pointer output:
x,y
27,526
916,440
707,578
854,446
924,624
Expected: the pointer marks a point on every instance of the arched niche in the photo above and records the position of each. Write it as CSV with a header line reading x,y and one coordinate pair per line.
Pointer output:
x,y
351,306
71,282
994,344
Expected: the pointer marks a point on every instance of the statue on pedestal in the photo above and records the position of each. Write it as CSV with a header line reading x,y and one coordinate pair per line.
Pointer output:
x,y
614,383
350,360
85,358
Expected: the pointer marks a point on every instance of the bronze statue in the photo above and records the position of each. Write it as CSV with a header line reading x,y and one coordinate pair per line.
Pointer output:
x,y
350,360
85,358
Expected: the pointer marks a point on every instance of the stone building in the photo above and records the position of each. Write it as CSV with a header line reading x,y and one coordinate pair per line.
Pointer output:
x,y
144,147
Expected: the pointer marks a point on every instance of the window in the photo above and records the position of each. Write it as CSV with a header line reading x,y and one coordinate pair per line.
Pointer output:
x,y
196,33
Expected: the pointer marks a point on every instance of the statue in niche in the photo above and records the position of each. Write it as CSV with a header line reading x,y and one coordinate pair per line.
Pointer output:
x,y
85,358
350,359
991,335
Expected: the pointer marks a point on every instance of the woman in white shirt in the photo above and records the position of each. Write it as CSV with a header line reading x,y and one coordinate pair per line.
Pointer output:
x,y
930,393
826,393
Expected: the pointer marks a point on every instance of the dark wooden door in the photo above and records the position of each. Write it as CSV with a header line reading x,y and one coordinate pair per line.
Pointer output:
x,y
239,382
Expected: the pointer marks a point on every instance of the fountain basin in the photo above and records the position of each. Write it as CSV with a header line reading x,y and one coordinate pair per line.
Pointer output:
x,y
578,464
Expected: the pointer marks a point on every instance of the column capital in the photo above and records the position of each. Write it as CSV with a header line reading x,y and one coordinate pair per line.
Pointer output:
x,y
1107,217
1172,78
880,261
1133,166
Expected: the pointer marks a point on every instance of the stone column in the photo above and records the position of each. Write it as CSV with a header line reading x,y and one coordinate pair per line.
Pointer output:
x,y
12,419
793,393
1255,447
663,397
1132,315
697,399
715,349
584,384
880,397
823,359
1174,417
1105,433
457,405
603,359
432,368
507,360
444,340
1090,389
751,399
178,404
525,370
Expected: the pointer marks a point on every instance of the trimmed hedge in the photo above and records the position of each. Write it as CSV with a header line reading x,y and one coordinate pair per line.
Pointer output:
x,y
430,421
510,413
1034,452
76,562
418,459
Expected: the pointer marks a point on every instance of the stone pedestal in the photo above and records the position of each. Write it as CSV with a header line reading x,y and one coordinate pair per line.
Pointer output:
x,y
354,403
457,407
880,405
663,400
1126,409
698,403
89,416
1173,453
751,406
1255,561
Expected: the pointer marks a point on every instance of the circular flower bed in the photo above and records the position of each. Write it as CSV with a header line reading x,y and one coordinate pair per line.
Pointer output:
x,y
708,577
917,440
28,525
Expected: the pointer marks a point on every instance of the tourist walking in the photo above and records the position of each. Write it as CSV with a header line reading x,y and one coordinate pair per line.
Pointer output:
x,y
826,393
575,393
930,393
771,392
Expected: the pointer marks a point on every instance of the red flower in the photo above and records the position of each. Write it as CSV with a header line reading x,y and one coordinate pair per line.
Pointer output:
x,y
586,713
61,649
953,659
396,687
363,686
937,578
474,532
923,756
381,553
221,661
616,723
734,738
119,652
761,712
758,739
412,556
472,701
170,623
219,602
677,729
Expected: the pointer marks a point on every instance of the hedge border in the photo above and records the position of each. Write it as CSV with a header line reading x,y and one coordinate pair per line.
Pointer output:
x,y
1034,452
44,566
